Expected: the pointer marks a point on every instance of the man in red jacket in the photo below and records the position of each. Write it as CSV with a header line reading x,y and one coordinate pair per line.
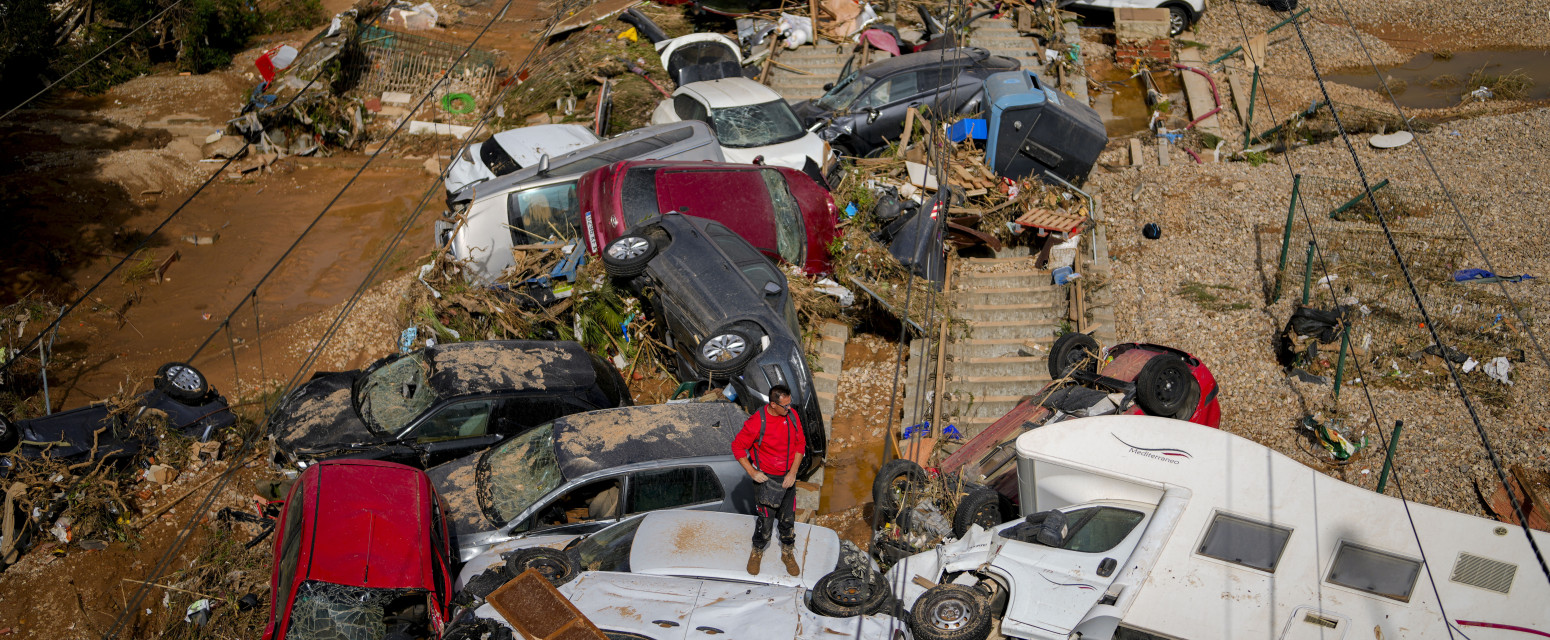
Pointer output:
x,y
770,448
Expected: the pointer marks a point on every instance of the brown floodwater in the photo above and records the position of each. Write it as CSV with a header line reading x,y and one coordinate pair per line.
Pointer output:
x,y
1431,81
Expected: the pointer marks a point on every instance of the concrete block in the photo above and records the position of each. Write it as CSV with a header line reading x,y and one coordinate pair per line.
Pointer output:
x,y
1140,24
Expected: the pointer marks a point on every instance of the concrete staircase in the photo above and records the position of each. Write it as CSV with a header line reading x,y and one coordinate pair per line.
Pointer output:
x,y
820,65
826,382
1000,37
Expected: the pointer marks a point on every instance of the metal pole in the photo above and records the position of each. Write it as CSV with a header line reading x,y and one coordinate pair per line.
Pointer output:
x,y
1307,274
48,406
1388,459
1345,344
1286,237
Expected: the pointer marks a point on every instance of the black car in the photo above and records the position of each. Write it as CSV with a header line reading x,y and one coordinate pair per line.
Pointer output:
x,y
179,394
725,311
439,403
865,110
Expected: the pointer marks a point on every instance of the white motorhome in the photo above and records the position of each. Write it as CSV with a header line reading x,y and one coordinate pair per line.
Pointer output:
x,y
1175,530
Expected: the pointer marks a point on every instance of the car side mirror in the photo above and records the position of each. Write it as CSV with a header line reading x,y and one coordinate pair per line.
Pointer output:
x,y
543,164
758,160
828,86
871,115
771,289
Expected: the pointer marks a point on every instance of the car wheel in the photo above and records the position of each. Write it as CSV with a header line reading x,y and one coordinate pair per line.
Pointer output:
x,y
982,506
895,481
1281,5
1163,386
554,565
1178,19
627,256
182,382
847,593
10,435
726,351
951,612
1073,351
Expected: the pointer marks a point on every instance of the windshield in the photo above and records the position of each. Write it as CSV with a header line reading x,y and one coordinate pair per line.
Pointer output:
x,y
790,240
843,93
395,394
756,125
516,474
325,611
609,549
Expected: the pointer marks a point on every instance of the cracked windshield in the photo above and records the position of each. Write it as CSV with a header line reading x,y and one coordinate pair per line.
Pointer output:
x,y
756,125
518,473
392,396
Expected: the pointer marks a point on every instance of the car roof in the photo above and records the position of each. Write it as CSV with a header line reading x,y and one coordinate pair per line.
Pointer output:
x,y
730,92
922,59
715,544
526,144
378,538
560,166
610,438
489,366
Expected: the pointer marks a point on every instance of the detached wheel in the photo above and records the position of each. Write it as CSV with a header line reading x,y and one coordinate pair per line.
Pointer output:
x,y
951,612
182,382
982,507
1073,351
896,480
627,256
726,351
1178,19
10,435
847,593
555,566
1163,387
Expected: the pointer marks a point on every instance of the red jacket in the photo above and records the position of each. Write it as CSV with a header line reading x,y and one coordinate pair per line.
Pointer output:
x,y
783,438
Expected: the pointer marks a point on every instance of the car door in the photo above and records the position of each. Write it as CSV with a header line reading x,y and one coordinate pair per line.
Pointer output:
x,y
452,431
1056,587
539,213
890,98
690,487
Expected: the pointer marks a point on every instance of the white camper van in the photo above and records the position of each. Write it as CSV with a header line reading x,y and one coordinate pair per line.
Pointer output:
x,y
1168,529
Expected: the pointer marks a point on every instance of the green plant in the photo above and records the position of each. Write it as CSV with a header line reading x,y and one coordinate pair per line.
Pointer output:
x,y
139,270
291,15
1256,158
1206,297
1513,85
213,31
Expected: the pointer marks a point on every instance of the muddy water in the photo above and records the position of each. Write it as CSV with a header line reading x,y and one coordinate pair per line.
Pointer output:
x,y
1428,81
858,424
1130,111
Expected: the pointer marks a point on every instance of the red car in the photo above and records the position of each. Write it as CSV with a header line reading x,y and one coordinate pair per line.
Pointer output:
x,y
363,544
780,211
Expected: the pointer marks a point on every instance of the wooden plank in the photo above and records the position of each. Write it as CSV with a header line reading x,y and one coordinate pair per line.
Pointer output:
x,y
1197,92
1254,50
909,127
1240,94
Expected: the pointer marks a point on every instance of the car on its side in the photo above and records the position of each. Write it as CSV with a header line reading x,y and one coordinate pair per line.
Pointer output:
x,y
361,550
724,310
781,212
688,571
582,472
752,123
509,151
1181,13
865,110
483,221
439,403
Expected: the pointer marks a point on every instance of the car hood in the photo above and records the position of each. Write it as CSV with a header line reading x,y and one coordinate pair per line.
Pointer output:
x,y
793,154
465,172
319,417
457,482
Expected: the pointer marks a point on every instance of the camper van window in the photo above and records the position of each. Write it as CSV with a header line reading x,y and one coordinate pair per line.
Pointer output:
x,y
1246,542
1374,571
1099,529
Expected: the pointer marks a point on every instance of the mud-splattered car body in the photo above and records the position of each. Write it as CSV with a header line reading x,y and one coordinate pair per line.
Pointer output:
x,y
437,404
582,472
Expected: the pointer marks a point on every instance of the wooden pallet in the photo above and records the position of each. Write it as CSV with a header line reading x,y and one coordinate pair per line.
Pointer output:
x,y
1052,220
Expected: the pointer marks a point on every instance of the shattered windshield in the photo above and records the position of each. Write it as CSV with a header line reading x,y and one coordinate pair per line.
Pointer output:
x,y
756,125
395,394
516,474
325,611
790,239
609,549
843,93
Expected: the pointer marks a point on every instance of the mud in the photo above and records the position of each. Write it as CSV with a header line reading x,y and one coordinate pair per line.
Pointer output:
x,y
859,424
603,439
308,420
486,367
1429,80
458,485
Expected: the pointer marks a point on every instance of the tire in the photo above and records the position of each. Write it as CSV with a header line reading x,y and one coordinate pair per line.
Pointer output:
x,y
10,435
557,567
628,255
1072,351
896,479
847,593
183,383
1163,387
726,351
1179,19
981,507
951,612
1282,6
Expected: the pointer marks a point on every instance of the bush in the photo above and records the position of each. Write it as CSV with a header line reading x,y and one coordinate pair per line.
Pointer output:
x,y
213,31
293,15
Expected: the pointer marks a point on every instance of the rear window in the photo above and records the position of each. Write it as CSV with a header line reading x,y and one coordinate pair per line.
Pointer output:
x,y
496,159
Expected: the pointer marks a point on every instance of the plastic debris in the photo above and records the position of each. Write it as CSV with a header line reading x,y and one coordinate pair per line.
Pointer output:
x,y
1329,436
1498,368
830,287
198,613
1151,231
406,339
61,530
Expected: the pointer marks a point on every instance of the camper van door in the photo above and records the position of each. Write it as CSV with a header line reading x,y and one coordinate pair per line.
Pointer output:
x,y
1055,588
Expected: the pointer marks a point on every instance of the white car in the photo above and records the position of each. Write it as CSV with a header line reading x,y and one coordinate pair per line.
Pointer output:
x,y
698,57
751,122
1181,13
669,573
508,151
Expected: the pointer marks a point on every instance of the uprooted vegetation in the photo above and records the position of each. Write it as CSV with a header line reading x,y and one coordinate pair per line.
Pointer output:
x,y
568,88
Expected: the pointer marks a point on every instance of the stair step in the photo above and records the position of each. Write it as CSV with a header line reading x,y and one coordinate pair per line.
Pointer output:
x,y
1040,379
1008,307
1018,388
1006,360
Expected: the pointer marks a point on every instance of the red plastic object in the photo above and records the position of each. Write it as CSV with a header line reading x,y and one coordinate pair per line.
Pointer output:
x,y
274,60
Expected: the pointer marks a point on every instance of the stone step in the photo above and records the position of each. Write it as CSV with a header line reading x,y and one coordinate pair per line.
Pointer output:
x,y
980,412
998,368
1014,295
1016,387
1002,279
1025,314
1001,348
835,331
807,498
1021,330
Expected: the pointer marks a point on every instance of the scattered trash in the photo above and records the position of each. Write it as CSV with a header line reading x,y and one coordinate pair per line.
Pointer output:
x,y
161,474
1340,448
198,613
1482,275
61,530
830,287
248,602
1497,369
1391,140
406,339
1151,231
1470,364
1482,93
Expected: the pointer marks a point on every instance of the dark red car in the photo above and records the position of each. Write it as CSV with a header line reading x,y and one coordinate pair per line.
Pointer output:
x,y
362,549
780,211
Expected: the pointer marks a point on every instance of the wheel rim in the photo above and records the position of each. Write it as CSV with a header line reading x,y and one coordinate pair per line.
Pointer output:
x,y
849,591
1176,22
950,615
549,569
183,378
1074,359
1171,385
724,348
628,248
988,516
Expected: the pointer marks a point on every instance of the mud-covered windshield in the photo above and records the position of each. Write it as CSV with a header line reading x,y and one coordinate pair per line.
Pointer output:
x,y
325,611
756,125
609,549
843,93
395,394
516,474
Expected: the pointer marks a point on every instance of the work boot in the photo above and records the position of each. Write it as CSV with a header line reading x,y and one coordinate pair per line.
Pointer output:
x,y
789,557
755,559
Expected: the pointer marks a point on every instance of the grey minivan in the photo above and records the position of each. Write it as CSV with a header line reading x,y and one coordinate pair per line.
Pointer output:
x,y
582,472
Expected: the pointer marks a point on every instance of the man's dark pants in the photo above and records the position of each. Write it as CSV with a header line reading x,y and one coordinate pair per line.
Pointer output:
x,y
786,514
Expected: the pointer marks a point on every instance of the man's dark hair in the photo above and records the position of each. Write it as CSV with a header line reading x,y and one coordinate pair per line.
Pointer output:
x,y
779,391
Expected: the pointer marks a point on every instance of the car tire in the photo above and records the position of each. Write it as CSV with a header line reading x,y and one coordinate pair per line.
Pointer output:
x,y
982,506
182,382
10,435
726,351
951,612
1163,386
554,565
628,255
1071,351
896,479
1179,19
847,593
1281,6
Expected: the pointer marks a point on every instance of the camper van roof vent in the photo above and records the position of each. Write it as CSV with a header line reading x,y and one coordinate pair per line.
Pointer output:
x,y
1485,573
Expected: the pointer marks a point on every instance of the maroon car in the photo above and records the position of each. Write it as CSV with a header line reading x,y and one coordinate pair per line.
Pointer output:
x,y
780,211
